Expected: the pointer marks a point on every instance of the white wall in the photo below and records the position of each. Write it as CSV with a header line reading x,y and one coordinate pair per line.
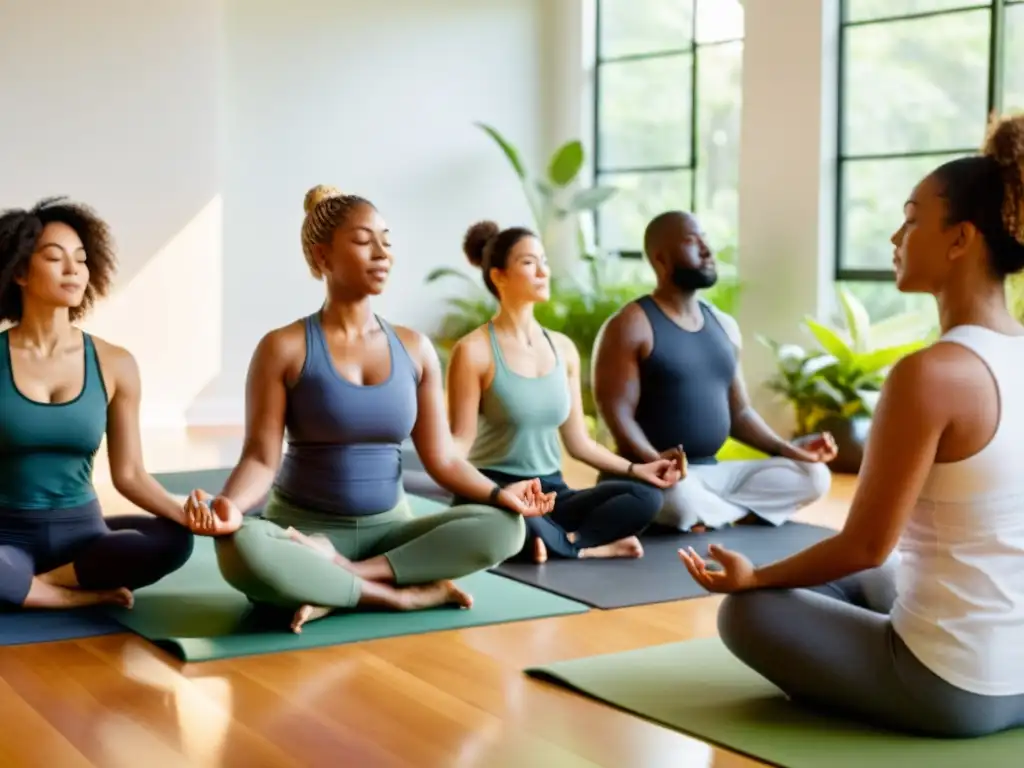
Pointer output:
x,y
196,126
378,99
117,103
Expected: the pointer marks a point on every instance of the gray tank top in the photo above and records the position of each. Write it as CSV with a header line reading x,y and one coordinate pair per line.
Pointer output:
x,y
344,441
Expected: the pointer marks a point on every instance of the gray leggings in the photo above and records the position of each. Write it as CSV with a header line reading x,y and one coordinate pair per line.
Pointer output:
x,y
834,648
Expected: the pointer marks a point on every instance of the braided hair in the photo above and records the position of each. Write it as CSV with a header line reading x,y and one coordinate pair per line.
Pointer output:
x,y
326,209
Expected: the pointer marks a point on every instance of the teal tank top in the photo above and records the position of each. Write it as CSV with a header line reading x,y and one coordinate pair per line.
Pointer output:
x,y
517,431
47,449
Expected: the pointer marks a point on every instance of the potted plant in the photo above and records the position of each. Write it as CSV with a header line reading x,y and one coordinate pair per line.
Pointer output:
x,y
834,386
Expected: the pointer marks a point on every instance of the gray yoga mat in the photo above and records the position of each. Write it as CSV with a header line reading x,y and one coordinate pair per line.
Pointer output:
x,y
658,576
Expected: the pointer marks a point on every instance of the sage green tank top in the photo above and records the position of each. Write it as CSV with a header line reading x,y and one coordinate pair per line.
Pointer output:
x,y
47,449
517,432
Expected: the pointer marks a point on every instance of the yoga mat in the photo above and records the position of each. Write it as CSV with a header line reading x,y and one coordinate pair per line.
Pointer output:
x,y
24,627
658,576
700,689
195,615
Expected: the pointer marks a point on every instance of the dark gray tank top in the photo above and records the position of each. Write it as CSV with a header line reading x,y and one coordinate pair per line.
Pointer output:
x,y
344,441
684,385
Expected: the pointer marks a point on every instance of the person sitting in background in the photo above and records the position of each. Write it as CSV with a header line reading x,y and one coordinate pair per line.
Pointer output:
x,y
668,383
912,616
348,387
514,387
61,391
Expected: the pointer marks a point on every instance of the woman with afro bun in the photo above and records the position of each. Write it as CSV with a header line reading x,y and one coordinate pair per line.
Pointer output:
x,y
61,391
912,616
514,390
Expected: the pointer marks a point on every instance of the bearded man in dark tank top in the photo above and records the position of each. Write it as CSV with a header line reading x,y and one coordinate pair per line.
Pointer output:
x,y
668,383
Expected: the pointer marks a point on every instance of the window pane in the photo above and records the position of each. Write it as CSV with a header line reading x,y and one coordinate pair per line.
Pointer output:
x,y
641,197
873,195
913,86
883,300
719,100
864,10
644,112
644,26
1013,71
719,20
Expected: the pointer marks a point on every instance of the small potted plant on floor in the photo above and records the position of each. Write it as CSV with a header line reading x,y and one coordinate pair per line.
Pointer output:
x,y
835,384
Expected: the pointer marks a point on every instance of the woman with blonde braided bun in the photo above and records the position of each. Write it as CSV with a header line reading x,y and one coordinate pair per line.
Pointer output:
x,y
348,388
912,616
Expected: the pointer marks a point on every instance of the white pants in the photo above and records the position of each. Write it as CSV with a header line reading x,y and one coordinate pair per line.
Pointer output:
x,y
715,495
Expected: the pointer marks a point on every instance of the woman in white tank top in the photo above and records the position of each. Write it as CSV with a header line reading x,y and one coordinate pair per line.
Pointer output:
x,y
912,616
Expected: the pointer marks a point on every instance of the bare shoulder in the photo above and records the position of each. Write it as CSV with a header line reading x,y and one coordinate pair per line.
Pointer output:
x,y
280,354
941,372
474,348
419,348
287,340
629,328
728,323
117,364
566,347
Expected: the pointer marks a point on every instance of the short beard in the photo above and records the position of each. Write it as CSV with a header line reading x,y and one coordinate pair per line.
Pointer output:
x,y
686,279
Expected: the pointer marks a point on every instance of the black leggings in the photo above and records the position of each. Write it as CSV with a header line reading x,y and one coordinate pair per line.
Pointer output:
x,y
129,551
600,515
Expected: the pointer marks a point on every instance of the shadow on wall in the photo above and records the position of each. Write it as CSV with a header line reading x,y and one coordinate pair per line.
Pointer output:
x,y
126,117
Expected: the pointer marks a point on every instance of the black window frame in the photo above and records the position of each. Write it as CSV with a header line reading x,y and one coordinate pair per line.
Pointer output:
x,y
693,50
996,66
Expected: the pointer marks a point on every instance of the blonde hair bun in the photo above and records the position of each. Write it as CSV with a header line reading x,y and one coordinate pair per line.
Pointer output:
x,y
317,195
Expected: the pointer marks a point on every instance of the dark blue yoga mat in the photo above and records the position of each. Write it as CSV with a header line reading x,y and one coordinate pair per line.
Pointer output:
x,y
26,627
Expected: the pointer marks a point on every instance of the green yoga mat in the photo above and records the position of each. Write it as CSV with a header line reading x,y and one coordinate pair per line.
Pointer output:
x,y
195,615
699,688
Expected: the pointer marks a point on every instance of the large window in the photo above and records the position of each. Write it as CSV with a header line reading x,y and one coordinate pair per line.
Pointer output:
x,y
668,95
918,79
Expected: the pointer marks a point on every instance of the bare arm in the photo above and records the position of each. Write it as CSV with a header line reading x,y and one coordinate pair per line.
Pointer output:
x,y
124,443
575,435
265,401
466,368
616,380
913,414
431,436
747,426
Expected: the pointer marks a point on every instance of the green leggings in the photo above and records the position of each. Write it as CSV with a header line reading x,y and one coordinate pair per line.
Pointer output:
x,y
262,562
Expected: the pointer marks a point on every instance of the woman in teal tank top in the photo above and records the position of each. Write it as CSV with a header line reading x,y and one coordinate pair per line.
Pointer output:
x,y
514,391
346,389
61,391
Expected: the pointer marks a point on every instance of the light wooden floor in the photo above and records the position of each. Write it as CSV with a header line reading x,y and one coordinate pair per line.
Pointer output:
x,y
450,699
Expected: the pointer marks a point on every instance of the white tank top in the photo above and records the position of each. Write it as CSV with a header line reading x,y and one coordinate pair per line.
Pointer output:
x,y
960,583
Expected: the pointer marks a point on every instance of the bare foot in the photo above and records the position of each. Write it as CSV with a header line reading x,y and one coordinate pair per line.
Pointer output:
x,y
308,613
540,552
431,595
628,547
699,528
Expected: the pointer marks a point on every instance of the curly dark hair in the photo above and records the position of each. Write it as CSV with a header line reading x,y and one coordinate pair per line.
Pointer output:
x,y
19,234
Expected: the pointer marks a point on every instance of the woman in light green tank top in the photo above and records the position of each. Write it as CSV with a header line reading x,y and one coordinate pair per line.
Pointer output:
x,y
514,398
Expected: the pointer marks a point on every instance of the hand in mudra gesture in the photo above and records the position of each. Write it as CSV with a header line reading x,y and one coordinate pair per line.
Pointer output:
x,y
678,457
661,473
736,573
527,498
207,515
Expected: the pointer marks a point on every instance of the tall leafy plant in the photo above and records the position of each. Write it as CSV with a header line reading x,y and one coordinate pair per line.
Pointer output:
x,y
842,375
